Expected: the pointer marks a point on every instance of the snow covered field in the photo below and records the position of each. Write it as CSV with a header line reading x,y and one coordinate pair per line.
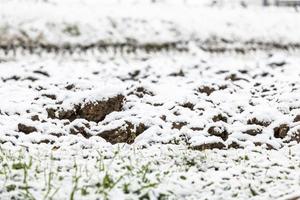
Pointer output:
x,y
158,172
149,100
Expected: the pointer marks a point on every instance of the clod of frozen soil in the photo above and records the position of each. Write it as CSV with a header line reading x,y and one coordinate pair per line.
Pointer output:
x,y
70,86
234,77
35,118
219,117
296,136
188,105
50,96
281,131
210,89
214,145
92,111
207,90
253,131
124,134
258,122
97,111
178,125
26,129
141,92
297,118
83,130
219,132
180,73
44,73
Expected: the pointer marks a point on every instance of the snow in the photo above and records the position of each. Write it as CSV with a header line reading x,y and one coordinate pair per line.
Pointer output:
x,y
234,87
173,171
169,93
91,22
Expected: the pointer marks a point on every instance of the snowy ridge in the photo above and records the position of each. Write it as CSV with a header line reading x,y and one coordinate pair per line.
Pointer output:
x,y
29,24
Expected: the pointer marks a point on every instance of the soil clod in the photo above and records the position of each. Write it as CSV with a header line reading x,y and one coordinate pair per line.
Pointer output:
x,y
26,129
281,131
219,132
124,134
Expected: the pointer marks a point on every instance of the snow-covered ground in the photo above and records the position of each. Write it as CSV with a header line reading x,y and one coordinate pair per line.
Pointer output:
x,y
168,97
157,172
129,99
87,23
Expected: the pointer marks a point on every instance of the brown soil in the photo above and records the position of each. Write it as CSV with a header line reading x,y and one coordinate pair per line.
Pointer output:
x,y
297,118
83,130
93,111
214,131
281,131
257,122
207,90
178,125
219,117
216,145
141,92
26,129
124,134
253,132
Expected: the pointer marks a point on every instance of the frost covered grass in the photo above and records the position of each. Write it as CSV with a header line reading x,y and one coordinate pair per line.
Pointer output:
x,y
158,172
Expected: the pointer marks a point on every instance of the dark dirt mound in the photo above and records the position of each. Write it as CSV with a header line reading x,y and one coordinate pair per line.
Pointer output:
x,y
93,111
214,145
123,134
258,122
219,132
281,131
26,129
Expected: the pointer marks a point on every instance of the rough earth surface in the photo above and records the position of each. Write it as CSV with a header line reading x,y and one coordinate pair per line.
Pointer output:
x,y
132,99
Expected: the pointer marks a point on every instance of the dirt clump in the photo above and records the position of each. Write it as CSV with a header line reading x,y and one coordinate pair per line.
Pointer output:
x,y
179,73
258,122
51,113
15,78
26,129
219,132
197,128
235,77
30,78
277,64
297,118
92,111
281,131
296,136
188,105
123,134
44,73
83,130
207,90
67,114
268,146
97,111
253,131
219,117
70,87
205,146
141,92
234,145
50,96
35,118
178,125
